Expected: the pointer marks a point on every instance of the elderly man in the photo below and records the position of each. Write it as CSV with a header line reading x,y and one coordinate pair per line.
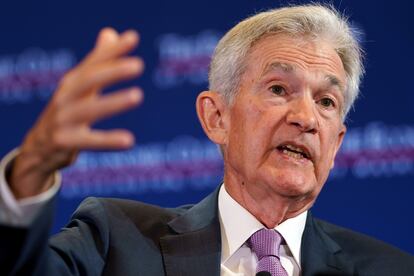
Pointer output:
x,y
281,84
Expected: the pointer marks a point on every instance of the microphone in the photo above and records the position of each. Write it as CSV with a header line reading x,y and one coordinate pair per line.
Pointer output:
x,y
263,273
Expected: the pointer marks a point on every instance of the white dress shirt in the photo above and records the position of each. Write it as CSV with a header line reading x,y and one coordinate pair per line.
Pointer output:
x,y
237,225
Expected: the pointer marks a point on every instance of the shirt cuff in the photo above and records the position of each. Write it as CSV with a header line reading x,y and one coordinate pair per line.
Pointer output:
x,y
21,212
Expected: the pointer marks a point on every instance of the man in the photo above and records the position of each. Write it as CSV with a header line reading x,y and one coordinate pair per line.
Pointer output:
x,y
281,84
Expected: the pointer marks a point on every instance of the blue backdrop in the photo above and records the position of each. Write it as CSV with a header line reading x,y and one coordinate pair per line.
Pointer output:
x,y
371,188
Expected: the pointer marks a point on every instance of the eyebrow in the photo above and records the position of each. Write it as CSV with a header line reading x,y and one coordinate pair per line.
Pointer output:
x,y
289,68
334,81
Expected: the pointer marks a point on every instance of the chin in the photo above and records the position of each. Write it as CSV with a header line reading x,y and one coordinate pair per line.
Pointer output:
x,y
294,185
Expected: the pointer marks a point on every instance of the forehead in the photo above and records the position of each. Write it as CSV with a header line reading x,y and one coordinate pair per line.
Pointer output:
x,y
301,54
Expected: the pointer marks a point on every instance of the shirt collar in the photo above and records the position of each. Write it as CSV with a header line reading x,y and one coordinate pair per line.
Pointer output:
x,y
237,225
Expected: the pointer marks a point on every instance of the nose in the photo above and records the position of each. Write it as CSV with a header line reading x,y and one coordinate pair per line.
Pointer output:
x,y
302,114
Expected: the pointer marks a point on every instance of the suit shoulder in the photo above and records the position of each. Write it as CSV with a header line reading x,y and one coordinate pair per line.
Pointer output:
x,y
369,255
114,211
130,208
358,242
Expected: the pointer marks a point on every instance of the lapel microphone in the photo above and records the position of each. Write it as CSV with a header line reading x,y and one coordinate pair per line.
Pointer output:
x,y
263,273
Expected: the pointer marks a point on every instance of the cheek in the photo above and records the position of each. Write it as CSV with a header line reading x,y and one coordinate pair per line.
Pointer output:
x,y
248,135
328,151
247,123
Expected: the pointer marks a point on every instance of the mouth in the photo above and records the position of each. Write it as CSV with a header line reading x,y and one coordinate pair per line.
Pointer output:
x,y
295,151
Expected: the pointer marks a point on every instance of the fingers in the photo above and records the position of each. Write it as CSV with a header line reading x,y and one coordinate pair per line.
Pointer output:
x,y
105,65
98,108
65,126
110,45
95,77
87,139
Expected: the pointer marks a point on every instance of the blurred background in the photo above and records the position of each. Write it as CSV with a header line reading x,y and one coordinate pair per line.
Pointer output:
x,y
371,188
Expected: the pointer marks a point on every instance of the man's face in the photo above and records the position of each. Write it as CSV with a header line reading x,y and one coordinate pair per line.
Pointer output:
x,y
285,123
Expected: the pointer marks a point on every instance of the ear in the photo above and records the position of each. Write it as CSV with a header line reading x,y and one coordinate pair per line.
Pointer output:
x,y
341,136
212,113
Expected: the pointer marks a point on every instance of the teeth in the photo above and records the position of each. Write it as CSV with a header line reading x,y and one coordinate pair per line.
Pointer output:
x,y
294,148
292,154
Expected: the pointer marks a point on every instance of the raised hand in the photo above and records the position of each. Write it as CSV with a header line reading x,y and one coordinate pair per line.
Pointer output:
x,y
64,127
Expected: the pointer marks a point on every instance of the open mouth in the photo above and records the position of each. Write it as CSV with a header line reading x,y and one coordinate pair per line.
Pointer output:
x,y
294,151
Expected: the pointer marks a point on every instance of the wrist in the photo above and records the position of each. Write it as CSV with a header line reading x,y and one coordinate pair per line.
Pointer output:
x,y
27,176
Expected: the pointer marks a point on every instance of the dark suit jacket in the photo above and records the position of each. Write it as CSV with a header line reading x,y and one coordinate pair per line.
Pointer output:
x,y
122,237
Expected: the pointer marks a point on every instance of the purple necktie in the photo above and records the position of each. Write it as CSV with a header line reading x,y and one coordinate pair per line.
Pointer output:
x,y
266,243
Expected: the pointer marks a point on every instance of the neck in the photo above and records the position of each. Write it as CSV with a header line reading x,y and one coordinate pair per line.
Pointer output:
x,y
271,209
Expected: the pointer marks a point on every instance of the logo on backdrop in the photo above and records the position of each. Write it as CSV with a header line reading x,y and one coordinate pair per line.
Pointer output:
x,y
375,150
32,74
184,59
181,164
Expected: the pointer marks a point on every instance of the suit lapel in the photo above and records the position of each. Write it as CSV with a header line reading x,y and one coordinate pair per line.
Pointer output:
x,y
321,255
194,246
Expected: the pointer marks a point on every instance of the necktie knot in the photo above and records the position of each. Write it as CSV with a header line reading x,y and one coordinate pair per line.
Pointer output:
x,y
265,242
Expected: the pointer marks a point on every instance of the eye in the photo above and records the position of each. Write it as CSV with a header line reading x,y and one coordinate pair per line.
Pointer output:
x,y
278,90
327,102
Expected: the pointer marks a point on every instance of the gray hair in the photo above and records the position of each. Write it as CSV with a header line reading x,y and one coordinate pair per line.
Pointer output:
x,y
314,21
